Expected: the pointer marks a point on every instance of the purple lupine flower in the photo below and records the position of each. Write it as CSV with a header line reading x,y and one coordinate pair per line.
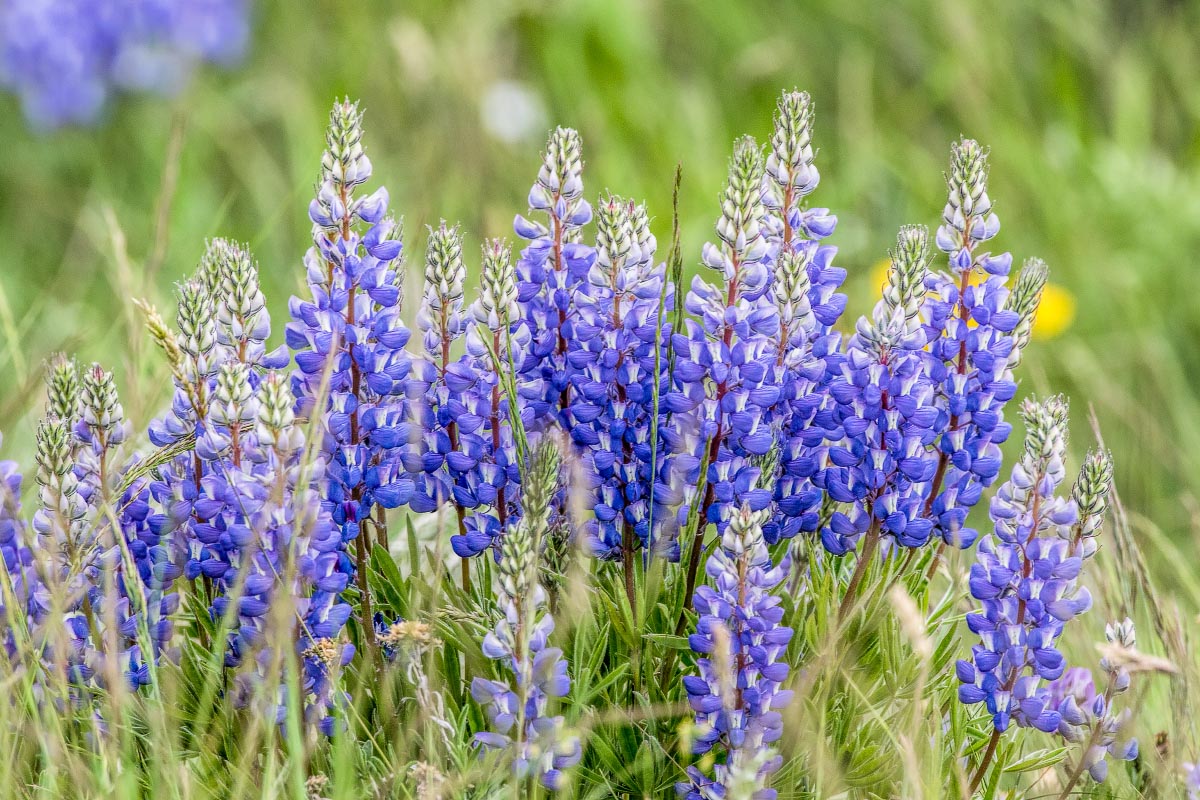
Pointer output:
x,y
293,553
135,594
742,645
178,488
972,348
617,369
1191,779
522,727
442,321
723,372
74,557
485,470
1088,717
1025,579
553,267
20,575
879,459
803,289
65,58
349,342
223,324
157,563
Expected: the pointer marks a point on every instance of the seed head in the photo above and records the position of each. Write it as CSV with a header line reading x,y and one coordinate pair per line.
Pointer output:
x,y
790,163
497,303
100,405
62,388
1024,299
561,174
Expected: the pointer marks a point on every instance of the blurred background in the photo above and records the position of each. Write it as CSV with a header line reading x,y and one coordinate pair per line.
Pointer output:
x,y
1090,109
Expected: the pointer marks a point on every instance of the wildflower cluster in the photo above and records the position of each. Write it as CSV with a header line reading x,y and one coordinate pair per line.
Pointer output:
x,y
64,59
723,433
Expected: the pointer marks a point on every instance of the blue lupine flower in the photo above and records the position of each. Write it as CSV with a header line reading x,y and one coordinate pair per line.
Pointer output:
x,y
294,553
518,711
66,58
142,569
485,469
553,267
879,461
442,321
970,329
178,488
20,572
349,340
742,644
223,326
1025,578
613,359
803,289
723,369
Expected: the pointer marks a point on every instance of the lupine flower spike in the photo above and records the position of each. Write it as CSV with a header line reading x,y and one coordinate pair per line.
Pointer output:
x,y
537,743
486,468
554,266
613,362
1026,577
349,340
731,350
742,645
973,347
879,460
442,321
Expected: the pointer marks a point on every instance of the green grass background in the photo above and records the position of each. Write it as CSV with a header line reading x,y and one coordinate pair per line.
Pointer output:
x,y
1090,109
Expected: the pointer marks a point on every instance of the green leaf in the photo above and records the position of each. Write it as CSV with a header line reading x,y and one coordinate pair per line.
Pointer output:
x,y
1038,760
667,641
386,582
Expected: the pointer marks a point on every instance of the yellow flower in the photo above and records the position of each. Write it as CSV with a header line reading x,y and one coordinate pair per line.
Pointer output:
x,y
1054,315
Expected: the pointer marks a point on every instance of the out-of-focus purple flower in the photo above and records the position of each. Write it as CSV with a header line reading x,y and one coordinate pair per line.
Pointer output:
x,y
537,742
1191,780
66,58
1089,718
17,561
